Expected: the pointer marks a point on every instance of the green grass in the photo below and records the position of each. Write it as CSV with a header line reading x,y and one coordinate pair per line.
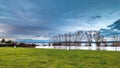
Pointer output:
x,y
52,58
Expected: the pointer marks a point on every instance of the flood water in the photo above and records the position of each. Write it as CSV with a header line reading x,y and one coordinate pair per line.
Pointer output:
x,y
93,47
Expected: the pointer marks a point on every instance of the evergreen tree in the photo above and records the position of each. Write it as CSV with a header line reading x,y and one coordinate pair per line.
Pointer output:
x,y
3,40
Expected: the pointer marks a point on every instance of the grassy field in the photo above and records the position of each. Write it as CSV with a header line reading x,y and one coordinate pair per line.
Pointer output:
x,y
50,58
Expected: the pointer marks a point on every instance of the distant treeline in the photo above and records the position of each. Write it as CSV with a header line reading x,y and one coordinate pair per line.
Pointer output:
x,y
11,43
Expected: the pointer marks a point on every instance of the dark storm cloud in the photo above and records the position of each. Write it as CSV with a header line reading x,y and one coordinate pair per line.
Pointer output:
x,y
115,25
30,30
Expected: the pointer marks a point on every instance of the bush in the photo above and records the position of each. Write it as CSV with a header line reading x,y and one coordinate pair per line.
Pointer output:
x,y
17,45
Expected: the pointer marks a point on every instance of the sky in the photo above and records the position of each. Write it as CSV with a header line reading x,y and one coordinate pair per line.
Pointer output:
x,y
40,19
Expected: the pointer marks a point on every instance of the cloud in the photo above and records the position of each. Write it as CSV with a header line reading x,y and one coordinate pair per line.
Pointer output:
x,y
95,17
43,18
115,25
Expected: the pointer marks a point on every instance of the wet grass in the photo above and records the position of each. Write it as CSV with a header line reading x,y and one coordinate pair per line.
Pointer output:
x,y
52,58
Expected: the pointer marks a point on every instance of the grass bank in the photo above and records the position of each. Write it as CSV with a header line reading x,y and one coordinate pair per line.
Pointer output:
x,y
52,58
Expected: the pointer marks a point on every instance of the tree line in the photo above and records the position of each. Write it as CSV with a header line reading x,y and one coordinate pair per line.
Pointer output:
x,y
87,37
10,43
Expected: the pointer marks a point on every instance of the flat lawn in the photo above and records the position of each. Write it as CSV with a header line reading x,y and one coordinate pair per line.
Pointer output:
x,y
52,58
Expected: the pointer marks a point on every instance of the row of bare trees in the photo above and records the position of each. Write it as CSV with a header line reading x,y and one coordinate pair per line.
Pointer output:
x,y
116,38
78,38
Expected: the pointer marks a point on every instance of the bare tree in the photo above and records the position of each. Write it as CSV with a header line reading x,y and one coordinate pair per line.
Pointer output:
x,y
104,41
89,37
116,38
98,38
